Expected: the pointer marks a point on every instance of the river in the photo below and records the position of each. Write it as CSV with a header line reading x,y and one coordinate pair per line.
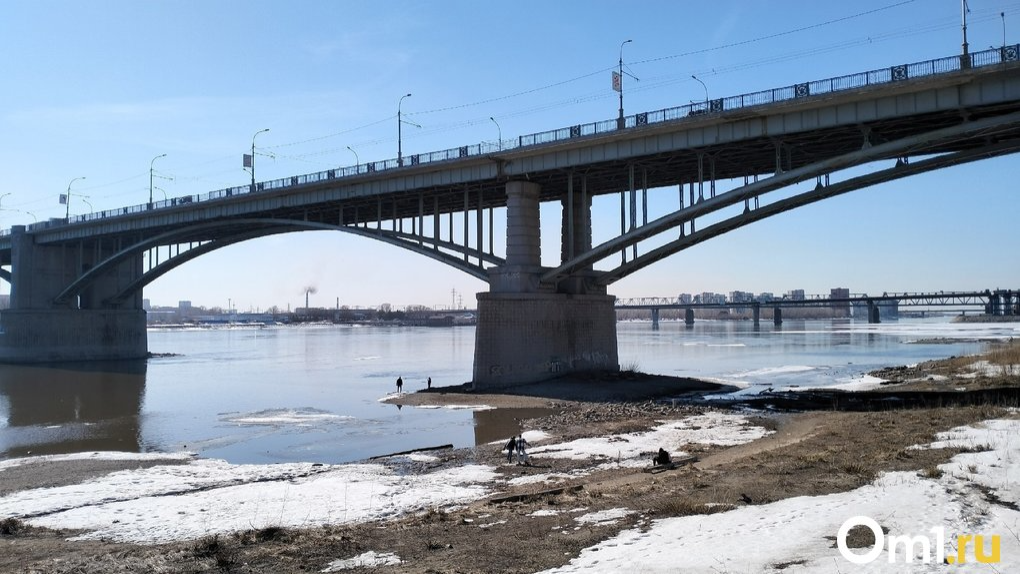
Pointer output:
x,y
312,393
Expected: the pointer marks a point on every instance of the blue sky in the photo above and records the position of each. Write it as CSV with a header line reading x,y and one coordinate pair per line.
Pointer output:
x,y
100,88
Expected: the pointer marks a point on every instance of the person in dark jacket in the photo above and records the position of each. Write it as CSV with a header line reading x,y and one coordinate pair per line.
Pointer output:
x,y
510,448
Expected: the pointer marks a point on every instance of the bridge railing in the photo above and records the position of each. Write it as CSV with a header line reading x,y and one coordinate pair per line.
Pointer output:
x,y
902,72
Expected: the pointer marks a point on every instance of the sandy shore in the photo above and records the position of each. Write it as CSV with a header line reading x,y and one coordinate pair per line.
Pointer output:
x,y
626,386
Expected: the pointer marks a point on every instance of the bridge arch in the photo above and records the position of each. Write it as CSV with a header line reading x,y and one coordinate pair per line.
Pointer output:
x,y
914,145
216,235
817,194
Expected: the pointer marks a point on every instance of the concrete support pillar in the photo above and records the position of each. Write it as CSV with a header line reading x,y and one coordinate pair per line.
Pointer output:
x,y
655,318
523,242
777,316
523,238
756,314
874,316
689,317
576,234
576,237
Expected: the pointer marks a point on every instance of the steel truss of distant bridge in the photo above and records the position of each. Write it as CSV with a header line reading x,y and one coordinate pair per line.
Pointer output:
x,y
77,284
997,302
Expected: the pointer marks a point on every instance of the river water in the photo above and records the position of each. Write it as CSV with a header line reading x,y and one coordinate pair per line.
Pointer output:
x,y
312,393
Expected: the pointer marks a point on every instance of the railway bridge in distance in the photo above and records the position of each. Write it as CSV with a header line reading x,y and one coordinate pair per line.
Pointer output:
x,y
992,302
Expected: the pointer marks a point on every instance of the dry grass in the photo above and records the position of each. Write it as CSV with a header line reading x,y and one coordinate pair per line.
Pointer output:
x,y
1007,357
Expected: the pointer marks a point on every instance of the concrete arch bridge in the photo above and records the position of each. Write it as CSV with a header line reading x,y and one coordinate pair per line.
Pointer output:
x,y
76,285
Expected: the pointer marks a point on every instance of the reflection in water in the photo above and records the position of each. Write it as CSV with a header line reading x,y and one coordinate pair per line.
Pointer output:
x,y
70,408
500,424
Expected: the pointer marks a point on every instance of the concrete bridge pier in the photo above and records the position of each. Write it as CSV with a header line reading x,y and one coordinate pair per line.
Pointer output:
x,y
689,317
777,316
874,315
527,331
37,328
655,319
756,314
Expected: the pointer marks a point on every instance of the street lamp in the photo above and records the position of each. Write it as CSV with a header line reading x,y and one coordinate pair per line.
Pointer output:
x,y
150,175
499,130
67,198
620,122
253,157
1003,16
965,62
357,160
703,86
400,158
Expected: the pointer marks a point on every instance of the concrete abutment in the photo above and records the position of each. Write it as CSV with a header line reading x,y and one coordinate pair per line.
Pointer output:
x,y
42,326
522,338
60,335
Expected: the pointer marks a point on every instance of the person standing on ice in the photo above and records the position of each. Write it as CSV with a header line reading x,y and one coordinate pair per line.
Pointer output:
x,y
522,454
400,385
510,449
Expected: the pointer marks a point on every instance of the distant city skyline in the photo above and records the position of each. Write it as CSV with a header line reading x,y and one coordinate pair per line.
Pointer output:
x,y
95,103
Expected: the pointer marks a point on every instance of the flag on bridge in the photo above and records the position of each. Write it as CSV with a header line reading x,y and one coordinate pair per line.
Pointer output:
x,y
247,160
617,82
63,199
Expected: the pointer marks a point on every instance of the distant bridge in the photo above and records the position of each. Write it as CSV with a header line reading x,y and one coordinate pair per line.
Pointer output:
x,y
999,302
76,284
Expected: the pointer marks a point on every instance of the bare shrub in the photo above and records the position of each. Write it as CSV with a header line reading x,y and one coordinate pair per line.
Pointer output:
x,y
11,527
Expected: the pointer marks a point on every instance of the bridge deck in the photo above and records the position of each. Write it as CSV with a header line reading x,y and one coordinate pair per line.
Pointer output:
x,y
743,136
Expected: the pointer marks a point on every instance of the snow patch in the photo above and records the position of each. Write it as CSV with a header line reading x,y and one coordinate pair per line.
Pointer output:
x,y
369,559
631,449
604,517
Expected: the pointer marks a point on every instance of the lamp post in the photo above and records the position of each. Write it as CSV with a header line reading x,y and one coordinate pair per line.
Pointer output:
x,y
620,122
150,174
703,86
67,197
1003,16
400,157
253,157
499,131
965,62
357,160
